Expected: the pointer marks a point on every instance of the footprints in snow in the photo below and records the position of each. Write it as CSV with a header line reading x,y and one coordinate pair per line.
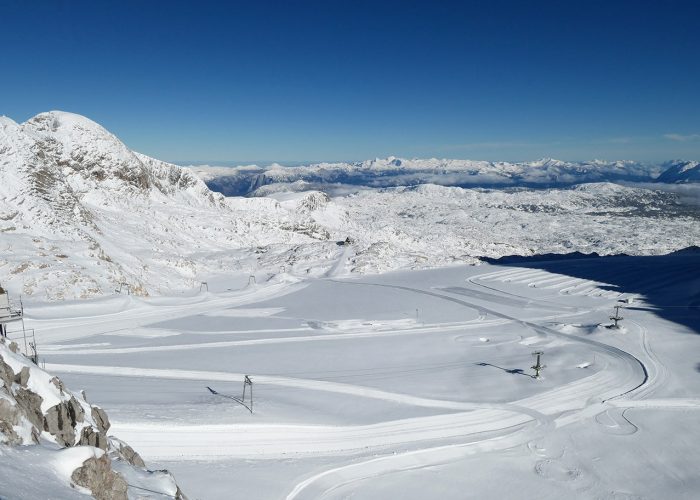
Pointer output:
x,y
554,470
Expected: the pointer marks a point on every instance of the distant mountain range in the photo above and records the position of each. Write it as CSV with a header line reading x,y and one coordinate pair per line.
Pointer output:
x,y
680,172
394,172
81,215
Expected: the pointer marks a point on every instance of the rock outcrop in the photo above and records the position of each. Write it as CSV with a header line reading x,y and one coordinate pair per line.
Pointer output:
x,y
62,419
38,409
125,452
9,418
30,403
96,475
100,418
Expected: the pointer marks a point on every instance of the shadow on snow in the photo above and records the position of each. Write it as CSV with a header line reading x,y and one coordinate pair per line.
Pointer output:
x,y
670,284
512,371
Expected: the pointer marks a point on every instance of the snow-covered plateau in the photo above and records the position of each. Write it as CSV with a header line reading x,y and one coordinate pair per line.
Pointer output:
x,y
83,216
388,329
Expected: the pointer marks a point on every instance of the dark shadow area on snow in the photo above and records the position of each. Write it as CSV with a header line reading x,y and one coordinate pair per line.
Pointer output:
x,y
512,371
669,283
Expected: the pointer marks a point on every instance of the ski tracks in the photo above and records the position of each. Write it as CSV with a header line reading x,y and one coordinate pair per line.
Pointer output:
x,y
585,394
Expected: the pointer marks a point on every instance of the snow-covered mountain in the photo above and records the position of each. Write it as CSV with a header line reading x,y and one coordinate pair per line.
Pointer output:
x,y
57,163
394,172
81,215
680,172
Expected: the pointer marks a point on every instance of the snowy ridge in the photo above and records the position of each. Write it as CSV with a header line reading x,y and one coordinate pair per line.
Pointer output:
x,y
393,172
680,172
83,216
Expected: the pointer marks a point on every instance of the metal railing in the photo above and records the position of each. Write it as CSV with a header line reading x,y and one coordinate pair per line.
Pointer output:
x,y
26,340
11,310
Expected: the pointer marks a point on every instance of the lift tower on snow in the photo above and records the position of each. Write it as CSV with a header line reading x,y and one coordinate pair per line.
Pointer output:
x,y
13,312
538,366
616,318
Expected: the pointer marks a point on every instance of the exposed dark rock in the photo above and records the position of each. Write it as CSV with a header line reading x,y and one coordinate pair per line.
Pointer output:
x,y
100,418
9,417
6,374
125,452
58,383
89,437
57,422
60,420
75,409
30,403
96,474
22,377
20,406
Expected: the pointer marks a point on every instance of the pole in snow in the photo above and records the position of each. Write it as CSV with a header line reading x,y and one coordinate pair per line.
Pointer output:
x,y
616,318
538,366
248,382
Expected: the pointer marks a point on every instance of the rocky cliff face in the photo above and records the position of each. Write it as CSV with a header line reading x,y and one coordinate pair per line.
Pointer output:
x,y
36,409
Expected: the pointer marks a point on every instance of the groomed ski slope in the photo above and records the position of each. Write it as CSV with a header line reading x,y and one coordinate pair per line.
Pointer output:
x,y
377,387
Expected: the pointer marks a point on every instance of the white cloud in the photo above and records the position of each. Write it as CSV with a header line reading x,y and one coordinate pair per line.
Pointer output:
x,y
682,138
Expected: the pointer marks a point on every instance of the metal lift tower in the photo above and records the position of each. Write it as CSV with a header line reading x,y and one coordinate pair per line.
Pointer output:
x,y
616,318
11,312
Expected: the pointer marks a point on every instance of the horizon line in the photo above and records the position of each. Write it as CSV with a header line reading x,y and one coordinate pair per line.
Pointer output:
x,y
235,163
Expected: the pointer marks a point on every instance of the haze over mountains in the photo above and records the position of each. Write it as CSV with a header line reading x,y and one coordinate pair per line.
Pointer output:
x,y
81,215
393,172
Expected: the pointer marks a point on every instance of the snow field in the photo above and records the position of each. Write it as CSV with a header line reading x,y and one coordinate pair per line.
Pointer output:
x,y
357,393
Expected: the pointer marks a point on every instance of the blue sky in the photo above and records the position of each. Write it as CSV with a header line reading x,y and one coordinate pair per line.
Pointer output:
x,y
351,80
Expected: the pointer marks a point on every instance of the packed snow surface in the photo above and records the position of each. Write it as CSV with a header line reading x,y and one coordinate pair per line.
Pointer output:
x,y
412,384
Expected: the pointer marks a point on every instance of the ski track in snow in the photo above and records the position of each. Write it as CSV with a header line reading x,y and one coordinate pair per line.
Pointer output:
x,y
76,327
438,328
590,404
478,427
300,438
